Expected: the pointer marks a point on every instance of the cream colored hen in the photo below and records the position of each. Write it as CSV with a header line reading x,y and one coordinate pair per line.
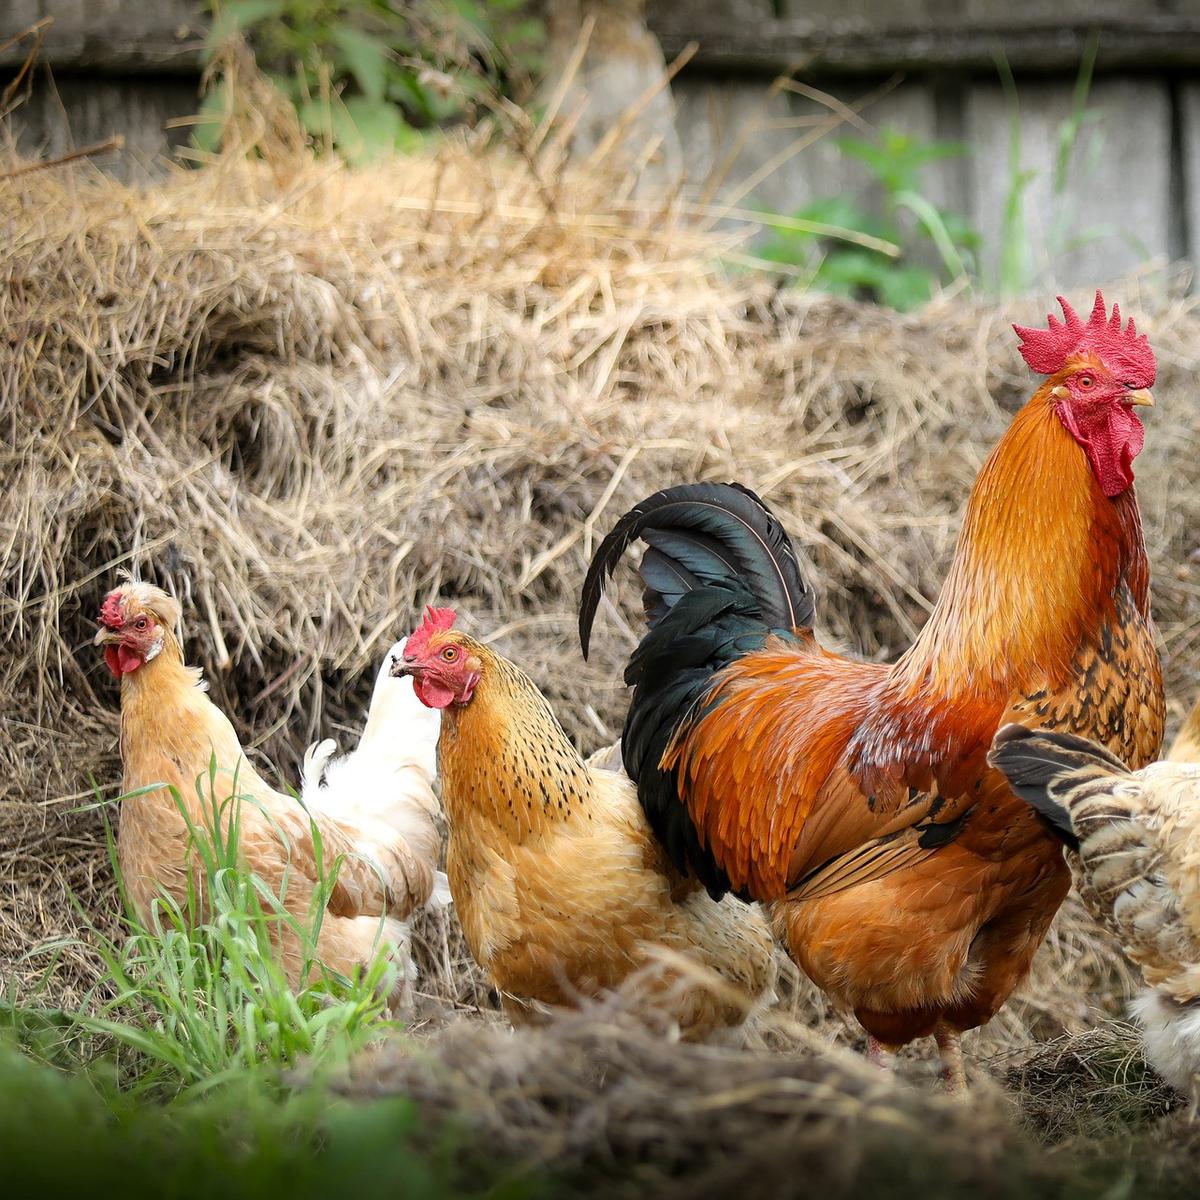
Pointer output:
x,y
373,811
1138,838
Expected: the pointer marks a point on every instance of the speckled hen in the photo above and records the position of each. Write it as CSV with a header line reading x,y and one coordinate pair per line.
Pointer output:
x,y
562,890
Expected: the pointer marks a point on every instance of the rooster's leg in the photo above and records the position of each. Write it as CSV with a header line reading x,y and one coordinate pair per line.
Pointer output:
x,y
954,1072
878,1055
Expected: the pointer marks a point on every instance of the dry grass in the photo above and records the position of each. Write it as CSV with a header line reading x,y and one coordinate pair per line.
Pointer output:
x,y
311,400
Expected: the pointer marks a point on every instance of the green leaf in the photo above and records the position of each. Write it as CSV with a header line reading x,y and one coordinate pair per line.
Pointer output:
x,y
366,58
905,288
210,123
366,130
238,16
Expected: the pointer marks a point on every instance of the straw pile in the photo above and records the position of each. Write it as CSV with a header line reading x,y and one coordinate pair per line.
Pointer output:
x,y
312,400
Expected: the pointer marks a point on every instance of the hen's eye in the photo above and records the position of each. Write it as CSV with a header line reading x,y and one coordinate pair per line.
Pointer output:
x,y
1086,381
140,623
449,654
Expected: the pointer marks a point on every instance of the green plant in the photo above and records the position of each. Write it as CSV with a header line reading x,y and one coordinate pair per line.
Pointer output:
x,y
81,1135
196,998
371,77
1017,270
196,1066
907,217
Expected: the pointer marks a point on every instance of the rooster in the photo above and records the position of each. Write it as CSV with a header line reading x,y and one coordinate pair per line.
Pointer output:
x,y
560,886
854,798
1138,839
376,825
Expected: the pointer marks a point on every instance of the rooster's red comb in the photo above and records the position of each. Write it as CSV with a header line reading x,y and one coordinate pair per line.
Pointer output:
x,y
1125,352
436,621
112,611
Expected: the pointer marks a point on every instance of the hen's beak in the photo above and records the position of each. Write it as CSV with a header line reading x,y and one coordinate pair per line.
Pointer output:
x,y
106,637
1141,396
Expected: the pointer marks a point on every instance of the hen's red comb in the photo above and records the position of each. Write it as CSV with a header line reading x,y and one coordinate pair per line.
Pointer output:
x,y
1125,352
112,611
436,621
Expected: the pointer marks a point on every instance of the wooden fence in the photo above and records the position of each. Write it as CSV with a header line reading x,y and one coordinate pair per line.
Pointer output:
x,y
1129,194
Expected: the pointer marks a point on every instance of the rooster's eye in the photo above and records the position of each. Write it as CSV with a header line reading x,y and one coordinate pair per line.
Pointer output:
x,y
449,654
1086,381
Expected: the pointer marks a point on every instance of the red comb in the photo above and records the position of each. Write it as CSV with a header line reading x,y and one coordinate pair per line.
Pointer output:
x,y
1125,352
436,621
112,611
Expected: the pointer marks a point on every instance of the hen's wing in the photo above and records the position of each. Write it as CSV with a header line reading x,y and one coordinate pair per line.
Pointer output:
x,y
1138,837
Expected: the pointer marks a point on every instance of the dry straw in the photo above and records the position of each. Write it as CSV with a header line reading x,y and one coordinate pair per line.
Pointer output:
x,y
311,399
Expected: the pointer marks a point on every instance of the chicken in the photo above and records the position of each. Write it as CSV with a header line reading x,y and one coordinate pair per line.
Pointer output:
x,y
377,828
561,888
1186,747
1138,838
386,782
854,798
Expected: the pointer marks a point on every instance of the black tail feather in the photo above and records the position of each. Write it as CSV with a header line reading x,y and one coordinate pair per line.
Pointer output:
x,y
1041,765
720,576
711,532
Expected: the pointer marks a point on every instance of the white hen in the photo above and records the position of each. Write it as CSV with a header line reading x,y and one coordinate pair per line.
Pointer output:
x,y
384,786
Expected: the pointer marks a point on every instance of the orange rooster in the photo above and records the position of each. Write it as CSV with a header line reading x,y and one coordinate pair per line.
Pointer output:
x,y
855,798
560,886
385,843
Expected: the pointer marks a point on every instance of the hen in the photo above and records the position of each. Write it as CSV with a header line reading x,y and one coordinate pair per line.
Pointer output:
x,y
381,836
560,886
854,798
1186,747
1138,838
385,782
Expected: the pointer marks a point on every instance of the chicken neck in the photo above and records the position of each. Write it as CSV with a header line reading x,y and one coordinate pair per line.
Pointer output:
x,y
505,759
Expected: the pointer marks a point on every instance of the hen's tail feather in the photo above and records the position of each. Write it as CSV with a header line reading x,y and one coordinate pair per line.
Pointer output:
x,y
316,758
706,533
1056,774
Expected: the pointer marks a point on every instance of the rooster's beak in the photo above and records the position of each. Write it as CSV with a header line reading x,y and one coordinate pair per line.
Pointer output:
x,y
400,668
1141,396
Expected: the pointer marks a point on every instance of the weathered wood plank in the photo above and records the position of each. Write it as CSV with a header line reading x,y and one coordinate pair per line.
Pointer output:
x,y
81,111
110,36
1189,199
1112,213
715,119
867,44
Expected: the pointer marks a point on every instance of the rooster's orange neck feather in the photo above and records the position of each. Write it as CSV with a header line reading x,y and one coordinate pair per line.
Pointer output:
x,y
1041,553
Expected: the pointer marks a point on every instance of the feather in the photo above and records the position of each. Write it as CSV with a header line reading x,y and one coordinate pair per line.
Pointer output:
x,y
715,531
1040,765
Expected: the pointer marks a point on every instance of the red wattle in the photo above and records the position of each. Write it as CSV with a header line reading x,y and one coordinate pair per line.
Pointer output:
x,y
127,659
1111,442
431,694
112,660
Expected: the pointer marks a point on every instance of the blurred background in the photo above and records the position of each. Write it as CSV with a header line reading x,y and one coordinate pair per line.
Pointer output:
x,y
1001,144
